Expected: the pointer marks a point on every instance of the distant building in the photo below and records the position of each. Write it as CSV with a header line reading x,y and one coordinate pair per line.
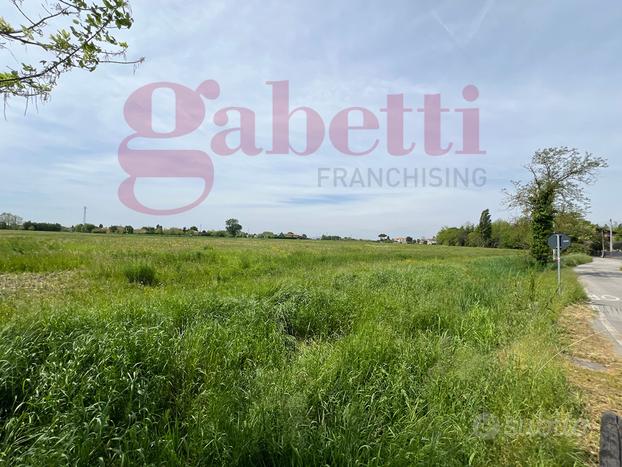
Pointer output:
x,y
400,239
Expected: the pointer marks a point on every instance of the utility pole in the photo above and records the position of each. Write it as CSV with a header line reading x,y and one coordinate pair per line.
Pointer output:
x,y
84,216
610,236
602,250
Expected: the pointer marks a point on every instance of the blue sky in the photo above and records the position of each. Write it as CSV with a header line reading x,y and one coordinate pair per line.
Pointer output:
x,y
548,74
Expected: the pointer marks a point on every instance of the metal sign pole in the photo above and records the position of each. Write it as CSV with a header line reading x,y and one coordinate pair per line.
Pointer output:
x,y
559,265
558,242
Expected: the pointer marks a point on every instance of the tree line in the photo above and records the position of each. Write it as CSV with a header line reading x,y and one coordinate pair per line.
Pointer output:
x,y
552,200
586,236
232,228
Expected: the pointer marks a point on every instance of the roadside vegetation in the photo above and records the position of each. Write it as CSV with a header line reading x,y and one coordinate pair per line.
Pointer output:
x,y
552,200
155,349
593,365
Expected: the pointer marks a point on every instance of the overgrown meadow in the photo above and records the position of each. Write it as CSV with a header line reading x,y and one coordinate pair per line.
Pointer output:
x,y
144,349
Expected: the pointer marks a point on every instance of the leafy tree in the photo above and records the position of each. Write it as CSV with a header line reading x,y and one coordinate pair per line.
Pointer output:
x,y
12,221
66,34
42,226
84,228
515,234
409,239
586,237
233,227
504,234
383,237
452,236
558,178
484,229
128,229
474,238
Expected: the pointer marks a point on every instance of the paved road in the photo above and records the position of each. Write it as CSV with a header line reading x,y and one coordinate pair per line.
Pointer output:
x,y
602,280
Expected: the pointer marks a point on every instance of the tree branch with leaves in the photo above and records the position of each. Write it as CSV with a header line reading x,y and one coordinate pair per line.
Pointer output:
x,y
68,34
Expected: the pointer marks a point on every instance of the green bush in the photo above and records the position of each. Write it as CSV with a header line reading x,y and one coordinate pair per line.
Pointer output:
x,y
311,313
140,273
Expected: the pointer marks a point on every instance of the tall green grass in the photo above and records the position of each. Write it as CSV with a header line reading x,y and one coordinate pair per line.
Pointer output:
x,y
140,273
276,352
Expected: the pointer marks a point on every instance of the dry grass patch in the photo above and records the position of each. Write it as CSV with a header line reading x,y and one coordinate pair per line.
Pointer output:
x,y
601,388
28,283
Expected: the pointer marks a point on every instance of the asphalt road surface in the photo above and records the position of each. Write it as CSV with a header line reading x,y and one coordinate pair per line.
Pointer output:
x,y
602,280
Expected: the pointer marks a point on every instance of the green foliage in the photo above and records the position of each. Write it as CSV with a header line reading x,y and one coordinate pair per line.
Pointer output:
x,y
451,236
557,185
515,234
140,273
563,170
484,228
474,238
84,228
42,226
68,34
5,27
586,237
265,352
542,217
233,227
466,235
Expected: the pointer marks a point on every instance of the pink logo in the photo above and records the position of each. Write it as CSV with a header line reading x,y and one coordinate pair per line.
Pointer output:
x,y
190,114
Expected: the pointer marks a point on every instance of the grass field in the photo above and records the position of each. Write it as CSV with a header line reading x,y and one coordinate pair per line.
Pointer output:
x,y
161,350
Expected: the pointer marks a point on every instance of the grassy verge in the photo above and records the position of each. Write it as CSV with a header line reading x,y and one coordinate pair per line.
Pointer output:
x,y
593,366
575,259
276,352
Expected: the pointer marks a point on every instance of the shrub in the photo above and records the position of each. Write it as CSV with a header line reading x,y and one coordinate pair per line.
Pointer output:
x,y
312,313
575,259
140,273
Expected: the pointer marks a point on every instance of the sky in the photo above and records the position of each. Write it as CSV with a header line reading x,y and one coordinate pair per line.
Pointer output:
x,y
548,74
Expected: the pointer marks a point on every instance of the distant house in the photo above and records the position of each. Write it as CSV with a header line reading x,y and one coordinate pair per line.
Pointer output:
x,y
400,239
426,241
